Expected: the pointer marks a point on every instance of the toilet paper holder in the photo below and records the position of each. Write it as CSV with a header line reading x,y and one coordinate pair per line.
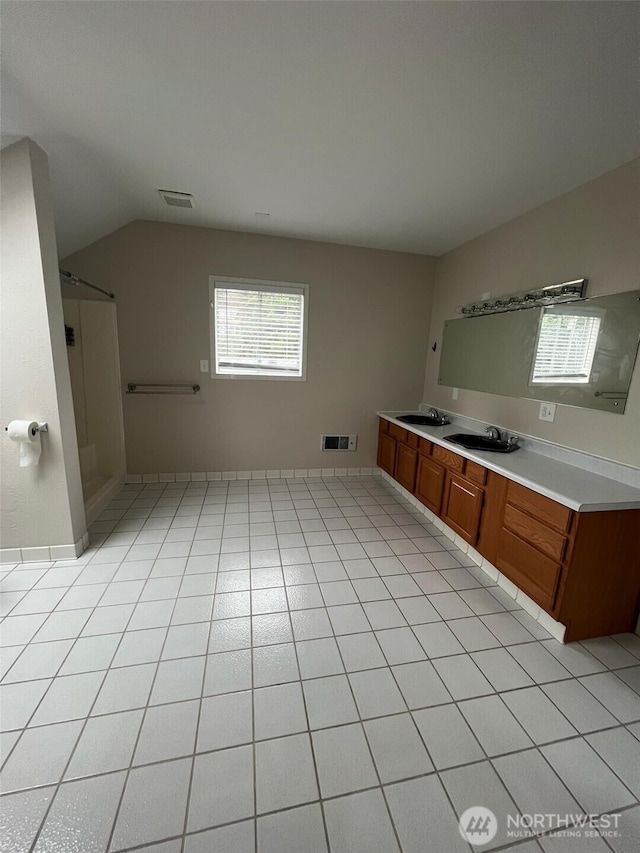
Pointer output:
x,y
41,427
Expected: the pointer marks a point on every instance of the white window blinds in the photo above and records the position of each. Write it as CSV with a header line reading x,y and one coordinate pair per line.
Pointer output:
x,y
259,329
565,349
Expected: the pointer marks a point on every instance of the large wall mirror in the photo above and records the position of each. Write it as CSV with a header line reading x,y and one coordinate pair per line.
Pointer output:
x,y
577,353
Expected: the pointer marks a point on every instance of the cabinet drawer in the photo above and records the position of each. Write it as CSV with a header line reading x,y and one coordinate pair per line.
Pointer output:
x,y
451,460
536,575
383,425
476,473
424,447
544,509
398,432
413,440
549,541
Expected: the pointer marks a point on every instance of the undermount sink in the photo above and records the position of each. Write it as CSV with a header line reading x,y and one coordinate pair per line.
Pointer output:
x,y
424,420
481,442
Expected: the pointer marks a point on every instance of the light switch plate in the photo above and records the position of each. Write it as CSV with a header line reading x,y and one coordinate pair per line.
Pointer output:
x,y
547,412
204,365
455,394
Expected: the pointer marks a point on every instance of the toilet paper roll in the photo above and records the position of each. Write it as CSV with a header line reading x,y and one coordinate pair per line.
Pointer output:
x,y
28,435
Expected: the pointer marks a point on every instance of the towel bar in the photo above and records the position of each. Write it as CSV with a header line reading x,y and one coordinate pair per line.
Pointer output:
x,y
162,388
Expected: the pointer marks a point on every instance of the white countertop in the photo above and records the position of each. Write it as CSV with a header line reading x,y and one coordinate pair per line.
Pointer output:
x,y
577,488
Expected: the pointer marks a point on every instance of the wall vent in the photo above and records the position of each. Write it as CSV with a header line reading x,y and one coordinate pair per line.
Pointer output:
x,y
339,442
174,199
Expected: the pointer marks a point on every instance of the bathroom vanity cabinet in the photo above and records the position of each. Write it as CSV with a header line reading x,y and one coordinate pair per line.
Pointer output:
x,y
583,568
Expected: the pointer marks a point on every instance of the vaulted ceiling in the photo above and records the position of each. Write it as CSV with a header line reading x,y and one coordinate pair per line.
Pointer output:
x,y
408,126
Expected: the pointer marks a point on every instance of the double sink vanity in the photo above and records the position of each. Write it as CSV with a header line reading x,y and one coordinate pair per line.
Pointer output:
x,y
568,538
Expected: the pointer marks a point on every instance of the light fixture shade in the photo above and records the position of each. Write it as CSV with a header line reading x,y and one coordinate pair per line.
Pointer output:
x,y
552,294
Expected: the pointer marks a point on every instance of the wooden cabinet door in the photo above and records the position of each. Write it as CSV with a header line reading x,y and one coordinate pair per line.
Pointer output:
x,y
462,506
430,483
406,462
387,453
535,574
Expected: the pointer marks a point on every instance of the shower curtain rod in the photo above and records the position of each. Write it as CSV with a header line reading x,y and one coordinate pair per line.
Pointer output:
x,y
75,280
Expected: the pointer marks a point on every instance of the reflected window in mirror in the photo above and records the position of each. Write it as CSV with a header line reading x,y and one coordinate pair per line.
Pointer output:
x,y
565,347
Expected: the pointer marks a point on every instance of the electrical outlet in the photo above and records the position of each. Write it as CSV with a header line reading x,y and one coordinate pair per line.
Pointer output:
x,y
204,365
547,412
486,295
455,394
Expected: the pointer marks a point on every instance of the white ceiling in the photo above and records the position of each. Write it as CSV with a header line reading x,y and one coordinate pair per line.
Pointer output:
x,y
406,126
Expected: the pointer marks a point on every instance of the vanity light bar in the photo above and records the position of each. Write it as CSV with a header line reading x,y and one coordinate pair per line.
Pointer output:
x,y
567,291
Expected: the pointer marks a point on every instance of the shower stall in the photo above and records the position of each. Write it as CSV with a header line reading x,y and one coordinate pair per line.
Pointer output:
x,y
92,347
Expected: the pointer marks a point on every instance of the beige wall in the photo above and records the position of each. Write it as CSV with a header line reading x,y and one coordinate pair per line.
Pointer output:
x,y
368,321
591,232
40,505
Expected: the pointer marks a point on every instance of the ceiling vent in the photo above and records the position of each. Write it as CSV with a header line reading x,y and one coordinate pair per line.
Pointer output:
x,y
174,199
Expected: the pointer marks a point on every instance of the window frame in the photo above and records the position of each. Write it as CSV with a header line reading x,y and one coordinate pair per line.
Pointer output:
x,y
255,283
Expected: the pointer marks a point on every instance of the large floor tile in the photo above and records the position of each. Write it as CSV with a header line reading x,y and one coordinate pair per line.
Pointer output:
x,y
586,775
420,685
616,696
423,815
69,697
222,788
376,693
292,831
82,815
579,706
343,760
448,737
465,784
144,817
125,688
494,725
360,824
168,731
40,756
462,677
535,787
397,748
279,710
329,701
621,751
21,815
106,744
285,774
537,715
19,701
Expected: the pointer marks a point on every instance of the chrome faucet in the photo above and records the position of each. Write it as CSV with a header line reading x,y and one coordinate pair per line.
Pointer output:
x,y
435,413
494,432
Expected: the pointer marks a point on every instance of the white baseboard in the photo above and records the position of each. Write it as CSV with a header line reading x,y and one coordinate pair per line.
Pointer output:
x,y
45,553
264,474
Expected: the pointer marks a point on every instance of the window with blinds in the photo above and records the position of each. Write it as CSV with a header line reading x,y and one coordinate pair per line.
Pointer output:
x,y
565,348
258,328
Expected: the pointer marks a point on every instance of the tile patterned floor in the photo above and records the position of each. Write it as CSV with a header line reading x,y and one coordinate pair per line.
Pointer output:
x,y
296,667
